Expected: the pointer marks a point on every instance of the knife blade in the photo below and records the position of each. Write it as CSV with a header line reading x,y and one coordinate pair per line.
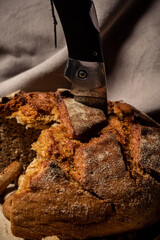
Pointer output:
x,y
85,67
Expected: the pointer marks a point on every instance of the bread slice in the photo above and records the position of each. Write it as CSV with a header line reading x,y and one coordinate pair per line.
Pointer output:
x,y
22,118
92,176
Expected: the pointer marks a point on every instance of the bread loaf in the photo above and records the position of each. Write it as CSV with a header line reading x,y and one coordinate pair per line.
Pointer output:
x,y
91,176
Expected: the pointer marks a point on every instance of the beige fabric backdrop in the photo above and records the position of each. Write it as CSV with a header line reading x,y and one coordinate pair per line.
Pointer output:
x,y
130,31
131,42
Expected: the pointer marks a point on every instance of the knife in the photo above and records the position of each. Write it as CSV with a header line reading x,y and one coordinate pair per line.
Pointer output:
x,y
85,67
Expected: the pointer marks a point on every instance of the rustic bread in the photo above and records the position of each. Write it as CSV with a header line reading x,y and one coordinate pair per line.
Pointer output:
x,y
22,118
92,176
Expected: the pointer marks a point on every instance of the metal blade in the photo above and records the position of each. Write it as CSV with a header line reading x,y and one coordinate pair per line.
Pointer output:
x,y
96,98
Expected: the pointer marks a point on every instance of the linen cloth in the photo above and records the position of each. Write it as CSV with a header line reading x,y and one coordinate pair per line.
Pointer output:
x,y
131,43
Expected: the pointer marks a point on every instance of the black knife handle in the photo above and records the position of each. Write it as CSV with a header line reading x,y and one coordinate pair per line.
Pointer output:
x,y
82,37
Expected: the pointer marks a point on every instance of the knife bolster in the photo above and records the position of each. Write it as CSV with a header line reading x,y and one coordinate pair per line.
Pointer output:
x,y
85,75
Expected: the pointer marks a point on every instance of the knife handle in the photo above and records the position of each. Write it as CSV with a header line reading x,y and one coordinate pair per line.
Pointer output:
x,y
80,26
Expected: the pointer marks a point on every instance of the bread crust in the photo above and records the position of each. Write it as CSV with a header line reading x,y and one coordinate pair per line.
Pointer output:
x,y
92,180
72,213
9,174
7,206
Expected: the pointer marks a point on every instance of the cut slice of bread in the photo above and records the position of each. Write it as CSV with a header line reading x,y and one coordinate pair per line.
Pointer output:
x,y
22,118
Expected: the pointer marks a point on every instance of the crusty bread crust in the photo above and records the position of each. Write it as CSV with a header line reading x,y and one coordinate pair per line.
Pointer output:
x,y
90,180
70,212
9,174
7,206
